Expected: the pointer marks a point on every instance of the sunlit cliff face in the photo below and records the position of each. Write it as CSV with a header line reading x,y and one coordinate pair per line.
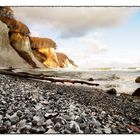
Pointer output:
x,y
51,58
44,49
64,61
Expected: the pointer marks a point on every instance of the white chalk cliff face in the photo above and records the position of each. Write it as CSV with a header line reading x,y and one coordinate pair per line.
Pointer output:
x,y
8,56
64,61
21,44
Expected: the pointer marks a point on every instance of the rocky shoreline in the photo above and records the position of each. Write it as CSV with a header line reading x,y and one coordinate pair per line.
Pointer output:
x,y
36,107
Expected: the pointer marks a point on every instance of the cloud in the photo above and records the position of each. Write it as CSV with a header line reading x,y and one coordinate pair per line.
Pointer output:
x,y
85,51
72,21
98,34
106,61
94,46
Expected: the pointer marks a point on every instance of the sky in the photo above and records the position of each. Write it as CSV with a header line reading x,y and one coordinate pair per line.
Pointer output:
x,y
92,37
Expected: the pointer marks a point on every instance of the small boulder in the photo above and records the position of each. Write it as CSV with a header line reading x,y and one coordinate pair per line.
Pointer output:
x,y
50,115
136,92
1,117
51,131
60,92
90,79
14,118
36,118
87,130
66,117
107,130
96,123
7,123
75,128
38,106
3,130
49,122
19,113
57,126
112,91
137,80
33,130
22,123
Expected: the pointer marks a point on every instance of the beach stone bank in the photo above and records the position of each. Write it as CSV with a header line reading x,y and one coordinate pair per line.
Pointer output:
x,y
35,107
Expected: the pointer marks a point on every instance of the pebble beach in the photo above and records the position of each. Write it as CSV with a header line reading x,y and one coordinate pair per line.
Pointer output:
x,y
36,107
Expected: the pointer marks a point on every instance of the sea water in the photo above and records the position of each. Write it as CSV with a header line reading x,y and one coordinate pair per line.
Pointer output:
x,y
123,80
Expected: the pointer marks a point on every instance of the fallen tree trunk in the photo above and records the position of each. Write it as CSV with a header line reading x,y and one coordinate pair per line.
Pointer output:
x,y
10,71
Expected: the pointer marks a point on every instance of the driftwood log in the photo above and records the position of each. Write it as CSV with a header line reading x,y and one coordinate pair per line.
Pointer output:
x,y
10,71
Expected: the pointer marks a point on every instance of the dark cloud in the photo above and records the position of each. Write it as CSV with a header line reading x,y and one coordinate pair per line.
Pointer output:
x,y
71,21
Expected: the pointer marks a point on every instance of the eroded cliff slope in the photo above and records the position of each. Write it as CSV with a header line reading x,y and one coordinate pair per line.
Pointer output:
x,y
8,56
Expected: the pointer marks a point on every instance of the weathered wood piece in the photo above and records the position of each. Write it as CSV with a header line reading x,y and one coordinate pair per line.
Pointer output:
x,y
10,71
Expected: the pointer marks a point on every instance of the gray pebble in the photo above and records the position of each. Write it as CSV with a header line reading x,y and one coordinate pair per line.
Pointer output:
x,y
65,131
87,130
50,115
1,122
51,131
67,126
1,117
19,113
14,118
107,130
41,130
45,102
12,132
33,130
22,123
75,128
3,130
57,126
13,128
79,119
3,102
36,130
115,131
39,106
103,113
36,118
7,123
98,131
66,117
49,122
27,127
82,125
60,120
96,123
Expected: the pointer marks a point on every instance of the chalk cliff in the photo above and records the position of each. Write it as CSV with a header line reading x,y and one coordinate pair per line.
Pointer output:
x,y
8,56
19,50
64,61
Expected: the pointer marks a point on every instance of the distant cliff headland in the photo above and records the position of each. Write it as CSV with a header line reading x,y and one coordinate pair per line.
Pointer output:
x,y
20,50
